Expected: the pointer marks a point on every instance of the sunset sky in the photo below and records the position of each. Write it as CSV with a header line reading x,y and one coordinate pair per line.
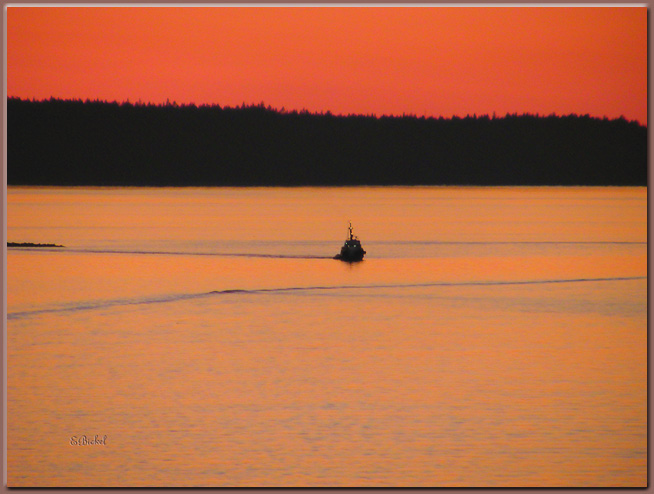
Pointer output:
x,y
432,61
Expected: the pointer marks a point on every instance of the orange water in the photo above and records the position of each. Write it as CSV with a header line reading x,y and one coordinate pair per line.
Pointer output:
x,y
491,337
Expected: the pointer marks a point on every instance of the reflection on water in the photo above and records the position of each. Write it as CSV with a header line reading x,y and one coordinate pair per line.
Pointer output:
x,y
492,337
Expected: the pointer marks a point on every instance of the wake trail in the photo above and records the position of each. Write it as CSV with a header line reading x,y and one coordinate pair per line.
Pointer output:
x,y
104,304
300,256
177,253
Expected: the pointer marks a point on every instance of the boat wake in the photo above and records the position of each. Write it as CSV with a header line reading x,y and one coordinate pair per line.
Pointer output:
x,y
104,304
60,250
180,253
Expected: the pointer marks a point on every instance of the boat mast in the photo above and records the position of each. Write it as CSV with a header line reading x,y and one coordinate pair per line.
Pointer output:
x,y
351,234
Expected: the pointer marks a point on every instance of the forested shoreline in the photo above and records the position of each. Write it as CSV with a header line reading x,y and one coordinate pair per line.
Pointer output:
x,y
74,142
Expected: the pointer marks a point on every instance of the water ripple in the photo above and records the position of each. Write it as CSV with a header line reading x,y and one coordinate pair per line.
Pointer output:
x,y
103,304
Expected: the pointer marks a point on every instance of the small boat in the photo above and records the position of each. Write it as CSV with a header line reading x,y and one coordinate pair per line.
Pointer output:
x,y
351,250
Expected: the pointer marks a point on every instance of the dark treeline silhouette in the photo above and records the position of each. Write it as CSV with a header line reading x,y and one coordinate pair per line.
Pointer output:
x,y
30,244
74,142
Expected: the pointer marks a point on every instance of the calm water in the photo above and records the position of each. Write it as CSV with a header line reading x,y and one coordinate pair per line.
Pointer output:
x,y
491,337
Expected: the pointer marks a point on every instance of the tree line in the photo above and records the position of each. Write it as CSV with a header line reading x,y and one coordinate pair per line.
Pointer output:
x,y
75,142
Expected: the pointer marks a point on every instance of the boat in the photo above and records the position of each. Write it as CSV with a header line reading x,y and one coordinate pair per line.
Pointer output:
x,y
351,250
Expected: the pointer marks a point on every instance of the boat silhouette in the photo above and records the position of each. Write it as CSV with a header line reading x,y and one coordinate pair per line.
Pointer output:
x,y
351,250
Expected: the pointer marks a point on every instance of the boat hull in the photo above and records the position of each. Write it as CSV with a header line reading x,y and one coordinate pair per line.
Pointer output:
x,y
350,254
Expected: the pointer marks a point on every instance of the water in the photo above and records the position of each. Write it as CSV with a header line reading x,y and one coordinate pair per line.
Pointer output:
x,y
491,337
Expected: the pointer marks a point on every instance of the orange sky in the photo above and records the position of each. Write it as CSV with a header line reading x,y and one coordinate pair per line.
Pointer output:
x,y
384,60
